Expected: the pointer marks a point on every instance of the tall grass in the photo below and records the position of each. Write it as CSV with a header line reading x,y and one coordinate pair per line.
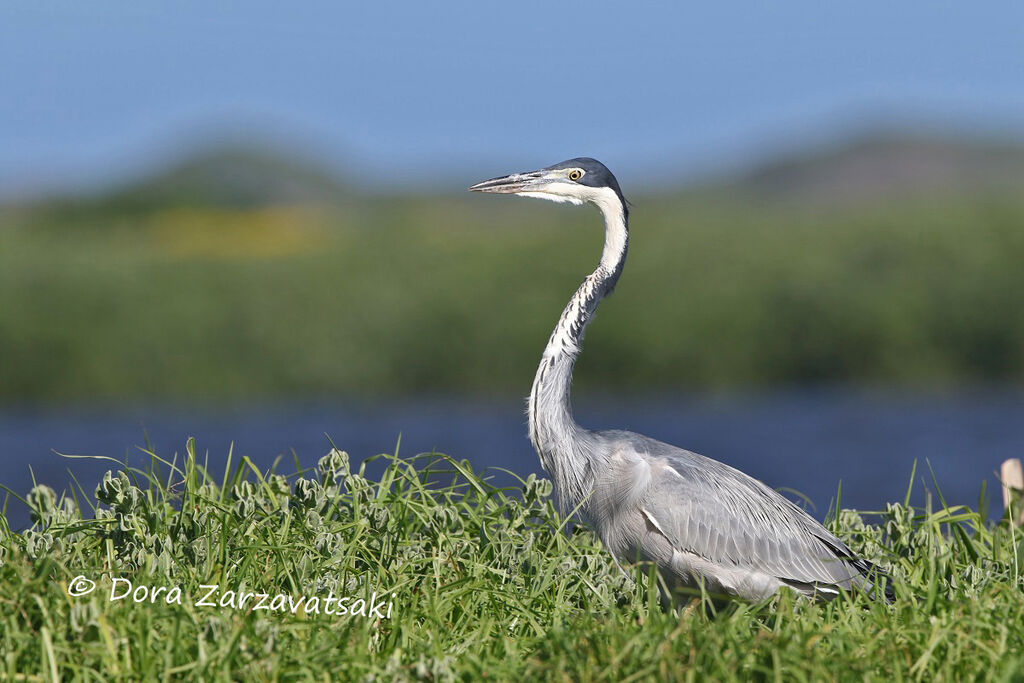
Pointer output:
x,y
486,584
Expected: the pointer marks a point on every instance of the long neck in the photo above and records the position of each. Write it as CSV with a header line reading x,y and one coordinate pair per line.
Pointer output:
x,y
560,442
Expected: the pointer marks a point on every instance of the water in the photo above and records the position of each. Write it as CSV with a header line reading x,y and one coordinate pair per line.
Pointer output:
x,y
807,441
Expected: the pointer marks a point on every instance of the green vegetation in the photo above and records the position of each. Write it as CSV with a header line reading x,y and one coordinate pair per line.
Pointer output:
x,y
373,296
244,276
485,585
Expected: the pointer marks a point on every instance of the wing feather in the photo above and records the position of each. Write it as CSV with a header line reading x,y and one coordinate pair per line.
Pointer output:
x,y
709,509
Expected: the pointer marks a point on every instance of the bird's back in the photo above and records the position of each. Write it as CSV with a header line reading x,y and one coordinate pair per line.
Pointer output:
x,y
703,521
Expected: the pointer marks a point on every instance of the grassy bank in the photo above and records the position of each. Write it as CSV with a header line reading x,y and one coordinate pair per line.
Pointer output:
x,y
392,295
481,584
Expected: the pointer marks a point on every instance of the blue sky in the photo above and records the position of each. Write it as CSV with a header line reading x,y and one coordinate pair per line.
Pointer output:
x,y
415,92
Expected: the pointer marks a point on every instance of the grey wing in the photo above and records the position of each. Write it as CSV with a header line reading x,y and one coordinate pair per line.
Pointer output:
x,y
730,519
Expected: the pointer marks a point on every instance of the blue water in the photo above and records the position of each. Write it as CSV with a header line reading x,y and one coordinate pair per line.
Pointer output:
x,y
807,441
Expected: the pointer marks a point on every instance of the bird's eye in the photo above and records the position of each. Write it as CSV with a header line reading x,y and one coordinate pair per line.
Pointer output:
x,y
575,174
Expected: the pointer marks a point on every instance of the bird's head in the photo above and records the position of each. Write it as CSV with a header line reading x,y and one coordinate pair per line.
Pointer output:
x,y
575,181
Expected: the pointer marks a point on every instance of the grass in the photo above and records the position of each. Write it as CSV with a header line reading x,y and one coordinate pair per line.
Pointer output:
x,y
439,294
486,585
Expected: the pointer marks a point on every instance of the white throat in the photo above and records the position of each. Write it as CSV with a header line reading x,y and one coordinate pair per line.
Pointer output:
x,y
553,430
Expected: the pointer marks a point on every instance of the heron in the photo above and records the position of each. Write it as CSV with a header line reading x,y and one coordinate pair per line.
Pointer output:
x,y
707,526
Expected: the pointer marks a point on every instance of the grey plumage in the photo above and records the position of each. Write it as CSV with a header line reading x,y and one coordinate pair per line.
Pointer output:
x,y
701,521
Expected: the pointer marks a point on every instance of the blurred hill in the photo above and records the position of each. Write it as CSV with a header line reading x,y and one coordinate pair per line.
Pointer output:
x,y
237,177
888,166
241,275
872,168
230,176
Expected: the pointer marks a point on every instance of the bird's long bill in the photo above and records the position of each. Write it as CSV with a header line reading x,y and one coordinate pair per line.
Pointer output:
x,y
510,184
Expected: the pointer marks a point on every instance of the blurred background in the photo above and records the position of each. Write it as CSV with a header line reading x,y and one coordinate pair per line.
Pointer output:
x,y
247,223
